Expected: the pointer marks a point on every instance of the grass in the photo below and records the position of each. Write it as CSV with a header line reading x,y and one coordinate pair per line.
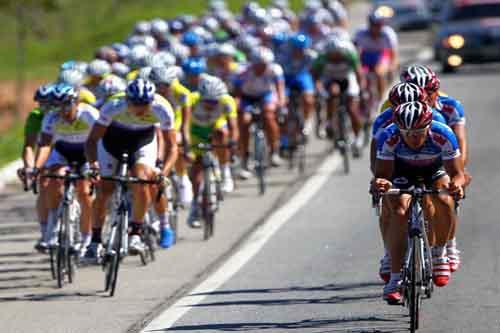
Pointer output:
x,y
11,143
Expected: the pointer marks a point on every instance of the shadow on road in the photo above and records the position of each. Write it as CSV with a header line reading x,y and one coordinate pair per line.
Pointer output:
x,y
76,296
369,323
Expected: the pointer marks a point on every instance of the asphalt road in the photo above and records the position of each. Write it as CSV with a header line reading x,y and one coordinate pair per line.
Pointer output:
x,y
317,274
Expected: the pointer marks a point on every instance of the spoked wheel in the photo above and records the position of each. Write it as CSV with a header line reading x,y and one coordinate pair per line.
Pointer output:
x,y
416,280
62,253
112,260
52,258
207,211
149,241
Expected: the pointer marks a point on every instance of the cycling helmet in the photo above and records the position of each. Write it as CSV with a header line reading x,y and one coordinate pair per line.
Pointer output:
x,y
211,88
422,76
260,17
144,72
247,42
210,23
137,56
98,68
300,41
176,26
283,4
191,39
64,93
107,53
412,115
262,55
44,93
159,27
250,8
111,85
376,18
120,69
140,91
72,77
406,92
81,66
278,39
217,5
335,44
163,75
142,28
187,20
164,58
70,64
194,66
121,49
226,49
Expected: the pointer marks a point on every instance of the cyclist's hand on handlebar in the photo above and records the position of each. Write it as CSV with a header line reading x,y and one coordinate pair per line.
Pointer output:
x,y
456,190
380,185
92,172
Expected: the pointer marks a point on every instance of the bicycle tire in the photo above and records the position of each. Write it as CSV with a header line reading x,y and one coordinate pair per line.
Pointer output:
x,y
259,160
117,252
416,280
70,271
150,243
345,144
61,256
205,202
174,224
52,259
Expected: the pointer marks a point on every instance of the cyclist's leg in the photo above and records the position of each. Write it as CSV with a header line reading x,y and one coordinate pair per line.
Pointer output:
x,y
334,90
269,108
181,165
244,121
86,202
353,92
306,86
221,137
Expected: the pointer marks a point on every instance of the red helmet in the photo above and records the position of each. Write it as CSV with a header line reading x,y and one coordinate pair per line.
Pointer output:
x,y
406,92
422,76
412,115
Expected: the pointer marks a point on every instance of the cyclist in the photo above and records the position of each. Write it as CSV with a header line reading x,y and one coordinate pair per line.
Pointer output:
x,y
338,71
110,86
412,150
127,124
168,86
378,49
401,93
224,65
213,120
75,78
262,83
64,132
296,62
32,129
452,110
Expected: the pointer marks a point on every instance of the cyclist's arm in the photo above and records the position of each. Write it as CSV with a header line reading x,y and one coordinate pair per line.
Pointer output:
x,y
28,154
358,69
161,144
232,116
280,88
186,120
96,134
43,150
461,134
171,150
373,155
384,168
455,169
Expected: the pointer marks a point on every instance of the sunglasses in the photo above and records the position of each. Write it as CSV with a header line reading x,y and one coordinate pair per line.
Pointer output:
x,y
64,108
210,102
414,132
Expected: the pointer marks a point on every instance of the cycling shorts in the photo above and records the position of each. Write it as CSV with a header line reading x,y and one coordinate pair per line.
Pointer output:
x,y
65,153
348,85
266,99
302,82
406,176
370,60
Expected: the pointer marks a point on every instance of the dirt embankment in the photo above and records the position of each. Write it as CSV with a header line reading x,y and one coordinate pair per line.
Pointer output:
x,y
8,97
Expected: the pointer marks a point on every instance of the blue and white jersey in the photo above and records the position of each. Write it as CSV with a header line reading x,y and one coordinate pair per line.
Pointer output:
x,y
452,110
293,65
384,119
366,43
440,145
254,85
76,131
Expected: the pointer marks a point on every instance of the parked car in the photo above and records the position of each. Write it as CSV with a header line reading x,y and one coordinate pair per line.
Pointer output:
x,y
469,32
405,14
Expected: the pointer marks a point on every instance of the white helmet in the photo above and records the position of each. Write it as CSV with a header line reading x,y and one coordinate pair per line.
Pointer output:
x,y
142,28
111,85
163,75
72,77
211,87
120,69
262,55
226,49
144,73
159,27
98,67
162,58
137,56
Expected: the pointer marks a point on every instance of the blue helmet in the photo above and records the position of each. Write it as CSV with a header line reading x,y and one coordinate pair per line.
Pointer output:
x,y
279,39
64,93
140,91
44,93
300,41
70,64
194,66
191,39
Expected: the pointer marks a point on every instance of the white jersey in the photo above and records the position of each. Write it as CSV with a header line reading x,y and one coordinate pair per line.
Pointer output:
x,y
257,86
366,43
116,111
75,132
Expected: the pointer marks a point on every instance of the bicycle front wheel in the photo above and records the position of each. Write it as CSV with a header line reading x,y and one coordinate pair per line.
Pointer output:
x,y
117,246
416,282
259,159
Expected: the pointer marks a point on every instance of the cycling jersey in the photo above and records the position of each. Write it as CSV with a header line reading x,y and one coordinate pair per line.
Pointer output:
x,y
226,108
452,110
86,96
441,145
228,76
293,65
337,71
255,86
75,132
385,119
116,111
373,50
34,121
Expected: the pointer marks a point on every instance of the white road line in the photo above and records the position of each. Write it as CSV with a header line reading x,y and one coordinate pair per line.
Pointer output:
x,y
248,250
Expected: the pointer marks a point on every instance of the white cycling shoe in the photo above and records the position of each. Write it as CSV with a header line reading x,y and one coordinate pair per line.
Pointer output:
x,y
185,190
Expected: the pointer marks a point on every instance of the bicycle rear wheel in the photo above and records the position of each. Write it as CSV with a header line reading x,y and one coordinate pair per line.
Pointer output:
x,y
344,142
206,207
259,159
115,260
416,282
62,252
